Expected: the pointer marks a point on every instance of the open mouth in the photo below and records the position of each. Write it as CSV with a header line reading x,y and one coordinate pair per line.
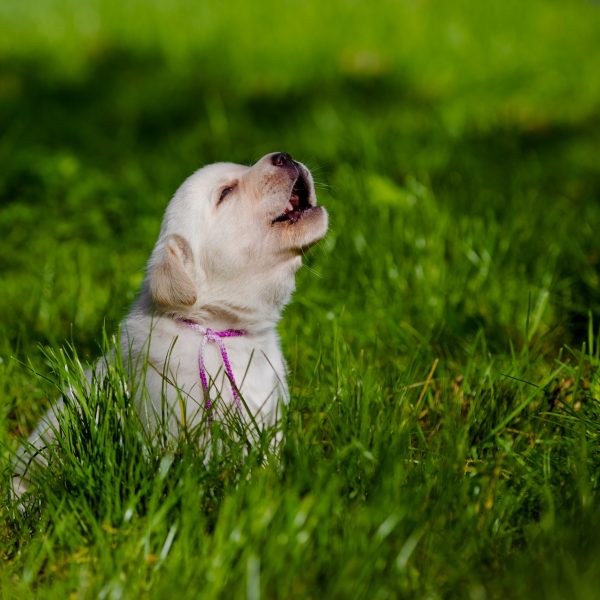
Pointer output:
x,y
298,202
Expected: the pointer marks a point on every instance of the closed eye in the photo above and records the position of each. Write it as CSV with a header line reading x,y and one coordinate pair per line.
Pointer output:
x,y
225,192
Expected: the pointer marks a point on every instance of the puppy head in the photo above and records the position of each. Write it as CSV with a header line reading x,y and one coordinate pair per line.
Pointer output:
x,y
234,234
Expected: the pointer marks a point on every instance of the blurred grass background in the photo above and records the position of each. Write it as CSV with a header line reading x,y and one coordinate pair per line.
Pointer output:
x,y
456,147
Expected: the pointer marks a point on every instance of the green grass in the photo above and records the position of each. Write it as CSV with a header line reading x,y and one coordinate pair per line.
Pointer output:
x,y
443,439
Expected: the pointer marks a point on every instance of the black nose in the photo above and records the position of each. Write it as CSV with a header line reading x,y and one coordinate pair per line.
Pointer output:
x,y
281,159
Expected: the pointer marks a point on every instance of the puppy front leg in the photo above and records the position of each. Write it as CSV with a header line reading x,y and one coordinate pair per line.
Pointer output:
x,y
31,454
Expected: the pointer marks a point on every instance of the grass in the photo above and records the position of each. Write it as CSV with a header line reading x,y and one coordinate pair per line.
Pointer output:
x,y
442,439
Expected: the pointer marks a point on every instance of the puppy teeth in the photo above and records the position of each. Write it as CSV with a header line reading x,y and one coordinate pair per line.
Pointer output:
x,y
289,207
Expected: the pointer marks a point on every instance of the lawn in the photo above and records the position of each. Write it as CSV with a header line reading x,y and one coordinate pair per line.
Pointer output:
x,y
443,436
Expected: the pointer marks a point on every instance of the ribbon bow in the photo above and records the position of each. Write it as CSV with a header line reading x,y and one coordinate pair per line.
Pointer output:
x,y
215,337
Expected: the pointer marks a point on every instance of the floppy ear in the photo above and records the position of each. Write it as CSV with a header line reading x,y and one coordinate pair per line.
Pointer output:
x,y
172,274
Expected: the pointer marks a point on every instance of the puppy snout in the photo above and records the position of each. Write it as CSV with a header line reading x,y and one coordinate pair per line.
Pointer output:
x,y
282,159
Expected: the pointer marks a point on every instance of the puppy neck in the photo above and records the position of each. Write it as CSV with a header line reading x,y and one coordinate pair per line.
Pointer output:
x,y
253,302
227,315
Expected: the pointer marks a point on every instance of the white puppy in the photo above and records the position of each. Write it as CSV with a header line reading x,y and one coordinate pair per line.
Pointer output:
x,y
203,327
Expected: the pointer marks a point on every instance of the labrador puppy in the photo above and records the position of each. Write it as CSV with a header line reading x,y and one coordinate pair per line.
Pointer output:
x,y
201,336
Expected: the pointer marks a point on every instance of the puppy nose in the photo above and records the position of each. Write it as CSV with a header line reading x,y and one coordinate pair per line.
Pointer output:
x,y
281,159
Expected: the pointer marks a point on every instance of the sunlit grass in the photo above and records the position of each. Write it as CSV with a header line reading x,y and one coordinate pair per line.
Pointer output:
x,y
442,439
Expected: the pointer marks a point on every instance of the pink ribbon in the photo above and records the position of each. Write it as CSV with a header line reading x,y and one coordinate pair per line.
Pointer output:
x,y
215,337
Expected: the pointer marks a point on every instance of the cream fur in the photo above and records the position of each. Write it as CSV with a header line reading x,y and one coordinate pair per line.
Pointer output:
x,y
223,264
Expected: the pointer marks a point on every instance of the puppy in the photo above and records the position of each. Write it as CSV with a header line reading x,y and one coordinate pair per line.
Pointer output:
x,y
201,336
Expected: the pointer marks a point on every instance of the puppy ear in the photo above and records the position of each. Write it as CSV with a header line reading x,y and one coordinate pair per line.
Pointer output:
x,y
172,274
